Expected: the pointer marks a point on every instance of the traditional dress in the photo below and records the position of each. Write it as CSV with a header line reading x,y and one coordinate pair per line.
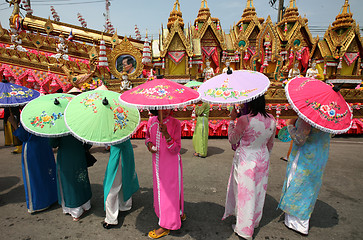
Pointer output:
x,y
10,139
200,136
120,181
39,174
167,172
304,174
249,174
74,189
208,73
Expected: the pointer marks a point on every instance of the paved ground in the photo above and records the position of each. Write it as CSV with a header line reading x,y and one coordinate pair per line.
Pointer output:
x,y
337,214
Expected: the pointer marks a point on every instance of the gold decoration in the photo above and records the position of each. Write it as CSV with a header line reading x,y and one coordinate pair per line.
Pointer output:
x,y
173,43
2,31
115,40
93,52
48,26
212,25
123,49
37,40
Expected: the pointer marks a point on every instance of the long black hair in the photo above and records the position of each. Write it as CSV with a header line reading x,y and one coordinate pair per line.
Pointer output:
x,y
257,106
154,112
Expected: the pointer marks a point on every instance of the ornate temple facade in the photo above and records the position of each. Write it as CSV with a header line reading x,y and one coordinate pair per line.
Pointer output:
x,y
48,55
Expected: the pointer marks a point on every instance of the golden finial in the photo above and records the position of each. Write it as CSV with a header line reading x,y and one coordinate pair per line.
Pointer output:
x,y
204,4
250,4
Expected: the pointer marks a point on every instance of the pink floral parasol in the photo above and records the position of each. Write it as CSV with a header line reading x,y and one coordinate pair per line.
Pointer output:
x,y
319,104
159,94
234,88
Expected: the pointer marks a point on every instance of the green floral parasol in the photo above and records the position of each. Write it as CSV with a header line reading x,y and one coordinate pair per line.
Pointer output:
x,y
43,116
97,117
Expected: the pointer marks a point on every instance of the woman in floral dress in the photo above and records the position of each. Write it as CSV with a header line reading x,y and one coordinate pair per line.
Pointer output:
x,y
247,184
304,173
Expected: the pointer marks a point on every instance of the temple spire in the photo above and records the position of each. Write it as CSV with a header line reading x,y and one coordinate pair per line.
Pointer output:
x,y
175,15
344,18
204,4
291,13
248,14
292,4
250,4
346,7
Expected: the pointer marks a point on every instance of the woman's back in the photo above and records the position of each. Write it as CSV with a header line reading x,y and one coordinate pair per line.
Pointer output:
x,y
258,131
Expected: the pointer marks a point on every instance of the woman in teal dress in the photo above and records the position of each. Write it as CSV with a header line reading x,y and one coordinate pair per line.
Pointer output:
x,y
304,174
74,189
120,182
200,135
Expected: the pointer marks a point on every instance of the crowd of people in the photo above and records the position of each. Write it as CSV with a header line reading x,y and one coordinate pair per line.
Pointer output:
x,y
251,133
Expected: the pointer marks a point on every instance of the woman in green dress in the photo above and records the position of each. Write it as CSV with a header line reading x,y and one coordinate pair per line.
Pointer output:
x,y
200,136
74,189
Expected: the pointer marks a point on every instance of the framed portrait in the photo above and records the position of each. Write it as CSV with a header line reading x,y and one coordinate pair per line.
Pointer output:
x,y
126,58
126,63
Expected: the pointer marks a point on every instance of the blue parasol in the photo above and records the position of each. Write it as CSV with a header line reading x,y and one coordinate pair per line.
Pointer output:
x,y
12,95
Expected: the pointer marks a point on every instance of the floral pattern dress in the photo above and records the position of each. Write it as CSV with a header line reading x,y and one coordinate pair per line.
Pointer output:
x,y
305,169
249,174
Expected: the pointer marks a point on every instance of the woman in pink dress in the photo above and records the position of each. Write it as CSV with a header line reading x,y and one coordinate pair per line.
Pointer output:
x,y
254,133
163,140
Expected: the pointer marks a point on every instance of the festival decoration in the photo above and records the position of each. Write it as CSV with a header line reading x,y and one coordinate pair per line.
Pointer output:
x,y
27,8
54,14
102,59
82,20
137,33
146,53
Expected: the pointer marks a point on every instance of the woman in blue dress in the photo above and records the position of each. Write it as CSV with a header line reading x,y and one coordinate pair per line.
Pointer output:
x,y
304,174
38,167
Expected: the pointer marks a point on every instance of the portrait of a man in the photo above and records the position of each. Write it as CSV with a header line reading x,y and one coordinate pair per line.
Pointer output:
x,y
126,63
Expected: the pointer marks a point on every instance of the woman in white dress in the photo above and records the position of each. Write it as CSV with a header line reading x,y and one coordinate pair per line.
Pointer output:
x,y
254,132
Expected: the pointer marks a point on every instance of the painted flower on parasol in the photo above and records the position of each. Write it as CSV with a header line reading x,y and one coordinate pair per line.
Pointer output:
x,y
159,94
234,87
97,117
319,104
12,95
44,116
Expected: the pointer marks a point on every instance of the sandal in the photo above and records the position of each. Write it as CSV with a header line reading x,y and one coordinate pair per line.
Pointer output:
x,y
75,219
108,226
183,217
196,154
152,234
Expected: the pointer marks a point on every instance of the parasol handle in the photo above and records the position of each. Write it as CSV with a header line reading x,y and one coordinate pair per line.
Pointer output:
x,y
56,102
337,88
4,79
229,71
160,113
105,101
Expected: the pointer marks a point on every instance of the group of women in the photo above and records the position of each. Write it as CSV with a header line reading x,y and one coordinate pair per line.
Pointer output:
x,y
251,131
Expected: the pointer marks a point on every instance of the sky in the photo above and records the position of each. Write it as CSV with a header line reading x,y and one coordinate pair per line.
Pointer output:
x,y
151,14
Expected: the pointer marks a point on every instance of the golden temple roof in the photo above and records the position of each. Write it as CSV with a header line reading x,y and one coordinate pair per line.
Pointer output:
x,y
291,13
204,13
249,14
344,18
176,14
